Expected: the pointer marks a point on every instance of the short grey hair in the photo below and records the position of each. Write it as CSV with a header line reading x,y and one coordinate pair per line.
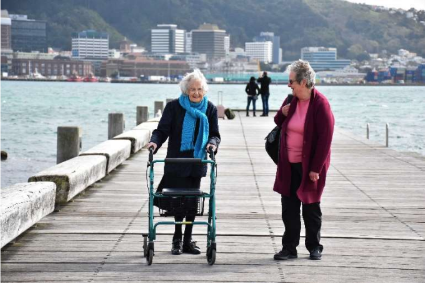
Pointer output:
x,y
195,75
303,71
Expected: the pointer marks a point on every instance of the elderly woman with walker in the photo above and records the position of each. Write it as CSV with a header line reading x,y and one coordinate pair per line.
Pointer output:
x,y
191,124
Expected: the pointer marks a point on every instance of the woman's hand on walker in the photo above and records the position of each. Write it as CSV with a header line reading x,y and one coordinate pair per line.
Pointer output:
x,y
151,144
211,145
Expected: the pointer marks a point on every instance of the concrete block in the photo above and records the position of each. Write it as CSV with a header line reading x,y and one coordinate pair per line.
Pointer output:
x,y
115,151
155,119
23,205
138,138
148,126
73,176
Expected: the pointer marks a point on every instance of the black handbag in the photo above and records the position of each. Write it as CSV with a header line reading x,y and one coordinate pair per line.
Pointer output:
x,y
273,139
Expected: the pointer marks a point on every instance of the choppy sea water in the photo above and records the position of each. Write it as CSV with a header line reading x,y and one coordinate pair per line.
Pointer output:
x,y
32,111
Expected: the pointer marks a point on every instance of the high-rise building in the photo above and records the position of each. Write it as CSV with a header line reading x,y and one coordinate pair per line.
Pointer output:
x,y
276,50
27,34
6,32
209,39
323,59
261,51
188,43
227,45
167,39
90,44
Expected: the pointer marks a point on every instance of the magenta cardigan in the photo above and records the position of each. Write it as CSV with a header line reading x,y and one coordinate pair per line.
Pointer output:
x,y
317,138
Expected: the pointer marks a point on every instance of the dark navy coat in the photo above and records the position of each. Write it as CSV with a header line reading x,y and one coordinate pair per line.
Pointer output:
x,y
171,126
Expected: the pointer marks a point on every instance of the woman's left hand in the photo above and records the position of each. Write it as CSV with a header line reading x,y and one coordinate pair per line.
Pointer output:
x,y
314,176
211,145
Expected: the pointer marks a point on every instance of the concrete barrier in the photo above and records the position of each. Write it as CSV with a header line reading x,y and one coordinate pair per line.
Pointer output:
x,y
115,151
73,176
138,138
147,126
23,205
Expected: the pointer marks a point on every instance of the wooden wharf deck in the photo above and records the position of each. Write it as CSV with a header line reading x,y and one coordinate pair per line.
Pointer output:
x,y
373,222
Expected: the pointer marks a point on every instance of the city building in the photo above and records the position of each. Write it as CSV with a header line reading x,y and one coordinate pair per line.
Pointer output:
x,y
6,31
167,39
90,44
276,50
27,35
138,66
323,59
125,46
227,45
261,51
209,39
113,53
188,42
24,64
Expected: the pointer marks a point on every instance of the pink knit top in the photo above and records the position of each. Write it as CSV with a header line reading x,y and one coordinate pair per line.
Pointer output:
x,y
295,129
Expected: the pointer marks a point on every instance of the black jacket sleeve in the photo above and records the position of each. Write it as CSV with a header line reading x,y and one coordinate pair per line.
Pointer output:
x,y
214,135
163,131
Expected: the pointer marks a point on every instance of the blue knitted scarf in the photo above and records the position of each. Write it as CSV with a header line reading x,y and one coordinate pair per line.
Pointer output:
x,y
193,112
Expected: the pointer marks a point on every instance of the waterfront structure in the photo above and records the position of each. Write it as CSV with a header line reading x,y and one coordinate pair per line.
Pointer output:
x,y
26,65
209,39
6,31
27,35
227,45
323,59
261,51
143,67
167,39
113,53
276,49
90,44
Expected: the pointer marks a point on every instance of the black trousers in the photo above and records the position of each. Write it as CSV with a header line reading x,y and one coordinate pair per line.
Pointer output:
x,y
169,181
291,216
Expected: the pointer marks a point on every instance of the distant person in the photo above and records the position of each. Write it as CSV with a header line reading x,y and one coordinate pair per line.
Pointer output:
x,y
264,91
252,91
307,125
191,124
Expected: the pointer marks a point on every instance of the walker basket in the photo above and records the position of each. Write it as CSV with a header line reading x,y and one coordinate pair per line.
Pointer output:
x,y
181,203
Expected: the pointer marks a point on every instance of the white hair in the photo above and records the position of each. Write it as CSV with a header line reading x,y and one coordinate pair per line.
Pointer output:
x,y
195,75
303,70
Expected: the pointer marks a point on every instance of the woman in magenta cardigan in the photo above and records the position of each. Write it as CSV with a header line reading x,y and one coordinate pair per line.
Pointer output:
x,y
307,131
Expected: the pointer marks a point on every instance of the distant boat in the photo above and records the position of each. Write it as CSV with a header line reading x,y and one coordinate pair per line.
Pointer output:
x,y
90,78
105,80
75,78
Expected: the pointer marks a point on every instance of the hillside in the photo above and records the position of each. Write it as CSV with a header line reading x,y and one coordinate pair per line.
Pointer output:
x,y
352,28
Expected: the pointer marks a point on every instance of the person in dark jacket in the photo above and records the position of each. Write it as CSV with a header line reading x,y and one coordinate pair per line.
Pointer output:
x,y
307,125
264,91
252,90
191,124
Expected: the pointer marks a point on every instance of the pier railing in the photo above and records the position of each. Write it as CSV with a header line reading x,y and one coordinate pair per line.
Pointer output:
x,y
24,204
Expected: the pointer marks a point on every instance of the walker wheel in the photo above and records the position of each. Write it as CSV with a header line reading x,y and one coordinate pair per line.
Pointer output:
x,y
149,257
211,256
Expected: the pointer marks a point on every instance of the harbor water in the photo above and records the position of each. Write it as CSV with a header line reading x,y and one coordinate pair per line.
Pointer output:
x,y
32,111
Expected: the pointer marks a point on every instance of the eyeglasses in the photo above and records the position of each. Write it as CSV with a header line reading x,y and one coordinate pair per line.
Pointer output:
x,y
291,81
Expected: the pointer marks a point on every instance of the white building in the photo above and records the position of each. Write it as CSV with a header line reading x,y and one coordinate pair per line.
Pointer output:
x,y
188,42
167,39
261,51
90,44
113,54
227,45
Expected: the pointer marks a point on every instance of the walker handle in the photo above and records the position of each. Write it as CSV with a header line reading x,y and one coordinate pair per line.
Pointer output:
x,y
183,160
211,152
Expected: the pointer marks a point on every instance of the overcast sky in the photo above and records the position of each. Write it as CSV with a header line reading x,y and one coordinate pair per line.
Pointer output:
x,y
403,4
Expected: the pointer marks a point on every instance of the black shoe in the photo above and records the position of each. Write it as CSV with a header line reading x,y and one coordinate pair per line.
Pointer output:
x,y
284,255
177,247
190,247
315,254
262,115
248,115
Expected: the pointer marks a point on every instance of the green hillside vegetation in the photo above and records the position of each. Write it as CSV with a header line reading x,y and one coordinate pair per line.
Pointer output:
x,y
353,29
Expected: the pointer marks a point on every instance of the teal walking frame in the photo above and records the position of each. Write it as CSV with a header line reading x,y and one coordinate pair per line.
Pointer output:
x,y
186,201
